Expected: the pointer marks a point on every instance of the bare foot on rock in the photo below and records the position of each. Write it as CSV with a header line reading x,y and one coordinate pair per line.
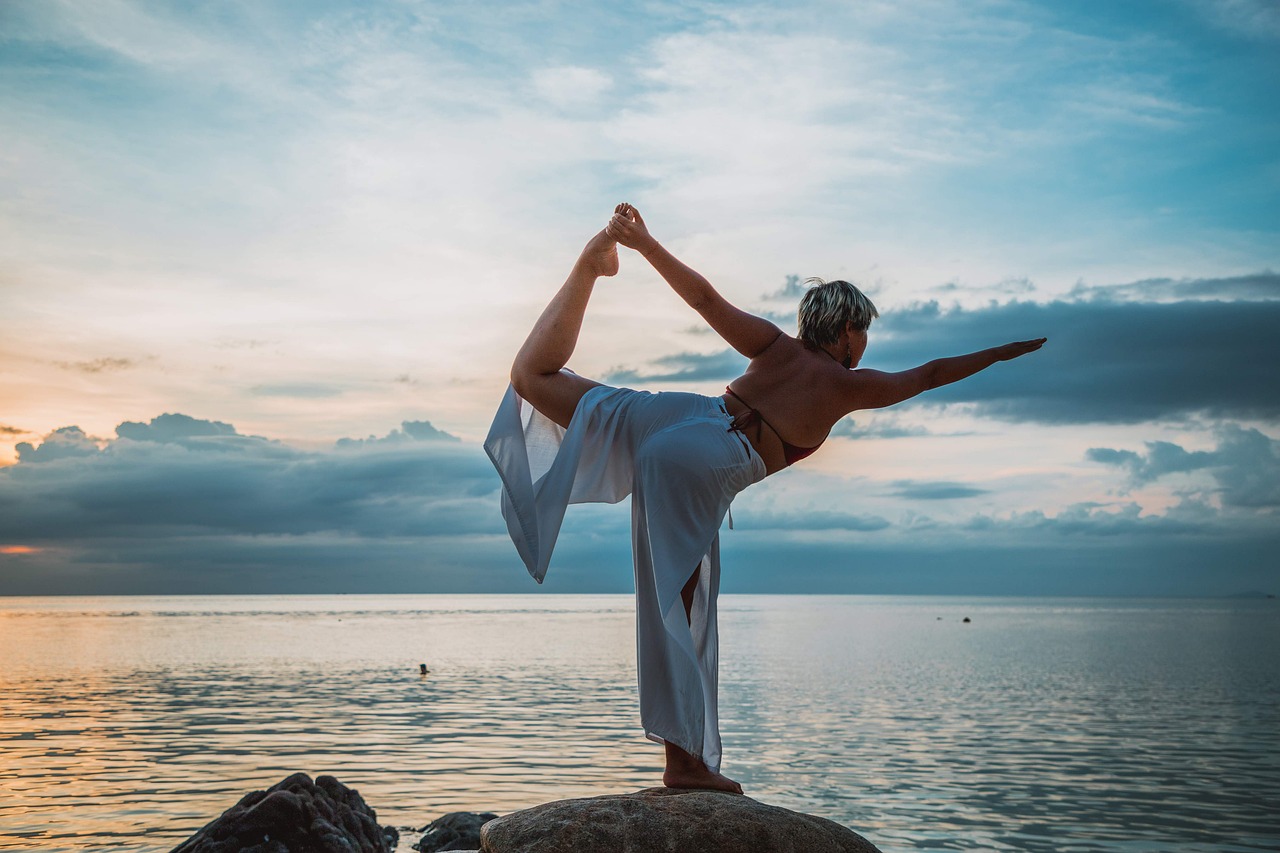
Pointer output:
x,y
686,770
700,779
601,255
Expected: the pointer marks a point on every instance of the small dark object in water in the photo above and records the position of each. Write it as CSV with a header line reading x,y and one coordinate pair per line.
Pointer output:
x,y
422,668
965,619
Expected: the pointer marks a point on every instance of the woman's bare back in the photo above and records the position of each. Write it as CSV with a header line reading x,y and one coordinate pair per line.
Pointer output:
x,y
794,388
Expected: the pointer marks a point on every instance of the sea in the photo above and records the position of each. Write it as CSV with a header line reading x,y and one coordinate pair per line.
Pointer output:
x,y
1000,724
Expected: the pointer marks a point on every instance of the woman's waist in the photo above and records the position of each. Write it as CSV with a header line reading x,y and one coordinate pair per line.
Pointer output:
x,y
743,420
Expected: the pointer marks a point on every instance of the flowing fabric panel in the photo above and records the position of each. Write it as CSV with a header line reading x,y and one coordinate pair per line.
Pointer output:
x,y
673,452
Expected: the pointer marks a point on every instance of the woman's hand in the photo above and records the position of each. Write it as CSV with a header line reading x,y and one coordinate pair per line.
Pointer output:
x,y
628,228
1018,348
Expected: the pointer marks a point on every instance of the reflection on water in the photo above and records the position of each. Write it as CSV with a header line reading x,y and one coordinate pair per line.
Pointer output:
x,y
126,723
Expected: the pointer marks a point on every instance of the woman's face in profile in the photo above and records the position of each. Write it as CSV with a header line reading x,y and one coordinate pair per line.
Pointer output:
x,y
857,346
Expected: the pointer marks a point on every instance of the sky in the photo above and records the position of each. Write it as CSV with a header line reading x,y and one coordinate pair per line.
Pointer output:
x,y
264,267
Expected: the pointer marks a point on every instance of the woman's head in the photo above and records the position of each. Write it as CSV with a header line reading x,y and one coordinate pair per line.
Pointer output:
x,y
828,307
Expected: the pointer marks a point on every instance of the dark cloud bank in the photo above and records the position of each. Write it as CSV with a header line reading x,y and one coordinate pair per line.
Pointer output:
x,y
181,504
1109,359
185,506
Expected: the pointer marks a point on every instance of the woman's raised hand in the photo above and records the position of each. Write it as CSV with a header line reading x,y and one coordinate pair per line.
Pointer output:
x,y
628,228
1018,348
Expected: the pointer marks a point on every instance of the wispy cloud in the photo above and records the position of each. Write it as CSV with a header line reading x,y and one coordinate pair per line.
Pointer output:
x,y
934,491
880,425
801,521
297,389
682,367
1263,285
98,365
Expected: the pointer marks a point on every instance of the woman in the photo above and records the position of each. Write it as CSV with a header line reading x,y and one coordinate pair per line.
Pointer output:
x,y
683,457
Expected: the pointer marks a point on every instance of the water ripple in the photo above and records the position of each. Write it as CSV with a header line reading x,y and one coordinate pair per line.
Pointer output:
x,y
1078,726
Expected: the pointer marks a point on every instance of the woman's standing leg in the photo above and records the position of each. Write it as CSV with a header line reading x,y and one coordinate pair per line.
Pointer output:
x,y
537,373
683,769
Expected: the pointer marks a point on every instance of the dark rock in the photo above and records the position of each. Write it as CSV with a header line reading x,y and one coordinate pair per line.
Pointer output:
x,y
293,816
454,831
660,820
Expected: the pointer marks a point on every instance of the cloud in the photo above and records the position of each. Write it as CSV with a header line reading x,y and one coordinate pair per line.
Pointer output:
x,y
410,431
191,506
5,429
1105,361
809,520
299,390
178,477
65,443
173,428
792,289
881,425
98,365
683,367
1254,19
571,86
1263,285
1245,465
1162,458
920,490
1091,519
1016,286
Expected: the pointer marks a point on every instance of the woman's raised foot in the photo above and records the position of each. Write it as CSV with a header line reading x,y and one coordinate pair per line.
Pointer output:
x,y
600,255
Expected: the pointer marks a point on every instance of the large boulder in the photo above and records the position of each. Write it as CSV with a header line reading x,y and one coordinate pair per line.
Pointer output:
x,y
666,820
295,815
456,831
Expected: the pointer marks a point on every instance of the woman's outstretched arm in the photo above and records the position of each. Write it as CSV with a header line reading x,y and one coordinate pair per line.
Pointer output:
x,y
875,389
745,332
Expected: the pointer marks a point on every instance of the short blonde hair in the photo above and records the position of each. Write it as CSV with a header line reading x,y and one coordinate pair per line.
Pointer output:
x,y
827,306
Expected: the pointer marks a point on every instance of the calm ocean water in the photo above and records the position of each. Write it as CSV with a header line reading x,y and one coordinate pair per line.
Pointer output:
x,y
1042,725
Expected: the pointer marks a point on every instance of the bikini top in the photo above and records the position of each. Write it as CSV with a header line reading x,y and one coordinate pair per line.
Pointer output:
x,y
790,452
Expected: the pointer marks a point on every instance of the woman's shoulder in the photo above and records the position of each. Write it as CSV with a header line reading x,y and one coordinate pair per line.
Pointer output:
x,y
782,345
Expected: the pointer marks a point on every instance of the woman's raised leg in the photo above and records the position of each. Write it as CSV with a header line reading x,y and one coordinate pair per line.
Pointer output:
x,y
537,373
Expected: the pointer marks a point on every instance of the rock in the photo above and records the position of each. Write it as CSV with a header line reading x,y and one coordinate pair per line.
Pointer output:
x,y
455,831
666,820
293,816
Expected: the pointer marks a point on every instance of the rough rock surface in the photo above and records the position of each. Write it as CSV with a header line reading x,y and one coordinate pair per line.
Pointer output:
x,y
665,820
456,831
293,816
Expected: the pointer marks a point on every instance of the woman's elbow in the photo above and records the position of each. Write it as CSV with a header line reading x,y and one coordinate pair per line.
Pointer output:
x,y
931,377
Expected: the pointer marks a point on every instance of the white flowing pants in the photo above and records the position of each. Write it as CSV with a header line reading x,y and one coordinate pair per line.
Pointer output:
x,y
674,454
